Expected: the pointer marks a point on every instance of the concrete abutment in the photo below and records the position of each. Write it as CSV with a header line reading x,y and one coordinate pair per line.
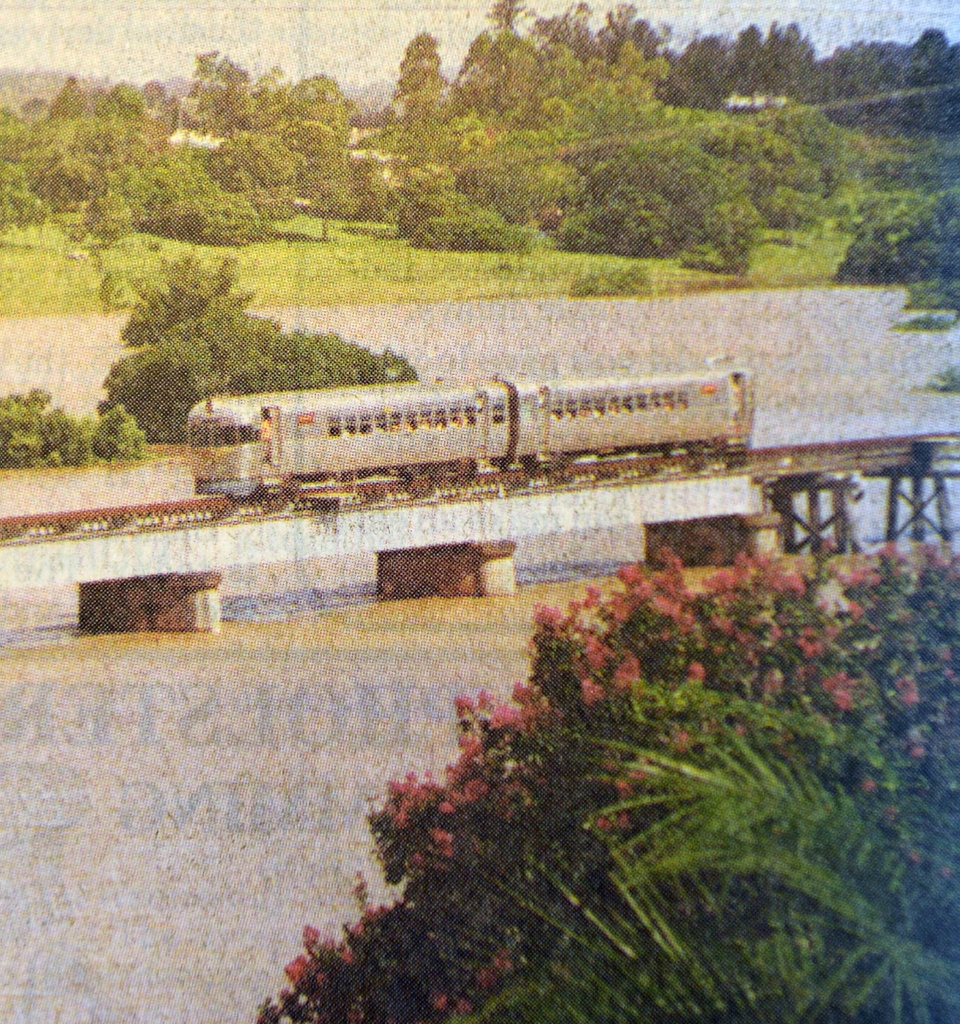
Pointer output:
x,y
447,570
166,603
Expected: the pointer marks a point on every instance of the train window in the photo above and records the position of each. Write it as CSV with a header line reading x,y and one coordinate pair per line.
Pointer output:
x,y
655,402
411,420
669,400
382,421
364,424
440,419
584,408
350,424
396,422
627,404
683,399
425,419
499,413
613,406
641,401
333,426
471,416
246,433
456,416
599,407
556,410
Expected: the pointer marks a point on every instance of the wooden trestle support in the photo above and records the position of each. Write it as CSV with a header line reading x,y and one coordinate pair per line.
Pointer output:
x,y
811,530
918,502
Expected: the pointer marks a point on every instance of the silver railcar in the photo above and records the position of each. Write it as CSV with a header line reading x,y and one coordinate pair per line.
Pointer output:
x,y
241,445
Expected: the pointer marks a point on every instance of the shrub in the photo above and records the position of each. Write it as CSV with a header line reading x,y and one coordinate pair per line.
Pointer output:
x,y
470,229
32,434
947,380
556,873
633,280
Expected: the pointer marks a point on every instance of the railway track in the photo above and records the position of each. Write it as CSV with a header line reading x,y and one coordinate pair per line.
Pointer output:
x,y
862,456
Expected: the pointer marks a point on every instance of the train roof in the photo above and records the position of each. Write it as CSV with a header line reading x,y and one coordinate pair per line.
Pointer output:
x,y
377,396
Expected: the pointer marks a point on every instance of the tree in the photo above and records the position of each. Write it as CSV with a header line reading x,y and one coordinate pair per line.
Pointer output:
x,y
194,339
895,241
108,217
33,434
69,104
19,207
420,85
505,14
222,103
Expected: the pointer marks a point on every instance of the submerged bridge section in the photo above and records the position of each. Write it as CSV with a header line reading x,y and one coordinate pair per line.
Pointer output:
x,y
159,568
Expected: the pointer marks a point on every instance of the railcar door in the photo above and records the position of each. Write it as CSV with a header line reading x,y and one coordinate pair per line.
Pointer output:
x,y
270,435
741,407
483,425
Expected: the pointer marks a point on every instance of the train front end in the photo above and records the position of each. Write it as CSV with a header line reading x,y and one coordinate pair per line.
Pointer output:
x,y
226,447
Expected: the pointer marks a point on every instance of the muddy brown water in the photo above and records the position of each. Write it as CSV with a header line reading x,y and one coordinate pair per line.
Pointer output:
x,y
173,809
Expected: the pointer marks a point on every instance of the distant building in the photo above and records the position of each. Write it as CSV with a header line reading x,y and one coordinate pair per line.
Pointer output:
x,y
184,137
748,104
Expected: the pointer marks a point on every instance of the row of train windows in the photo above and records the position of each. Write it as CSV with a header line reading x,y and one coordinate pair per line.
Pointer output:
x,y
600,406
414,419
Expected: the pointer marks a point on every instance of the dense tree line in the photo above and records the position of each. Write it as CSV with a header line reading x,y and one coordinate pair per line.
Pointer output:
x,y
598,134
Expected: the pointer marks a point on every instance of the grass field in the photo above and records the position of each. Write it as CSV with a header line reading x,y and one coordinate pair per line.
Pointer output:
x,y
359,264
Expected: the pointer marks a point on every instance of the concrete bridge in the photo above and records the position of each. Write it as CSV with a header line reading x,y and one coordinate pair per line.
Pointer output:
x,y
150,576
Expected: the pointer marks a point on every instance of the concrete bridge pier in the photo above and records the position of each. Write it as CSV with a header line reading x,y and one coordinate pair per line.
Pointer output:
x,y
713,540
166,603
447,570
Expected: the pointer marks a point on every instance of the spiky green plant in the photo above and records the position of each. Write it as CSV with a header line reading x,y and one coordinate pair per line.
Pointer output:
x,y
758,894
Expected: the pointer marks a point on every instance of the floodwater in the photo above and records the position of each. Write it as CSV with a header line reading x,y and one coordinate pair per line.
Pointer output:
x,y
173,809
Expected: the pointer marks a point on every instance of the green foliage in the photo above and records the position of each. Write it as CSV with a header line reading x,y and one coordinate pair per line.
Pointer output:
x,y
463,227
895,241
32,434
947,381
631,280
664,199
18,205
420,84
176,198
928,322
735,804
108,218
194,339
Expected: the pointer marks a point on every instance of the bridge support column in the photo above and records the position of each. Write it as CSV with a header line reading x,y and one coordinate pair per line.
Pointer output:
x,y
926,504
168,603
716,540
811,530
447,570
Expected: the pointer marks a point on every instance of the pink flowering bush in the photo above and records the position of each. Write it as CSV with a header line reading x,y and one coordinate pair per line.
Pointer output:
x,y
846,678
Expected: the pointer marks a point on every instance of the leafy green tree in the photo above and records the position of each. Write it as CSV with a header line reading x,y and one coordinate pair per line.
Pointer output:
x,y
18,205
124,102
108,217
69,104
895,241
33,434
220,95
420,85
194,339
186,293
117,437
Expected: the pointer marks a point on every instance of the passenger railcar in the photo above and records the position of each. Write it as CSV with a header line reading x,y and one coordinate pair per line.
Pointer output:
x,y
243,445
